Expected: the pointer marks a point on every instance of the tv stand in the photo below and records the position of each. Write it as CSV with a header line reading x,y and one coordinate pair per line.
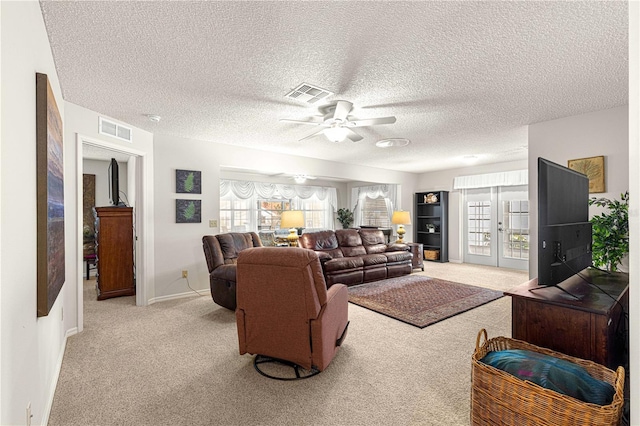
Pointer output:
x,y
555,286
590,325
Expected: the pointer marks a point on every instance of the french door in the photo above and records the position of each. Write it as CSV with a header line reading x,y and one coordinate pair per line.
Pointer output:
x,y
496,226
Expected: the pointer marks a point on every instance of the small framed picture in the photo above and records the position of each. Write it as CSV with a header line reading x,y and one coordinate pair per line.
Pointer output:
x,y
188,211
593,168
188,182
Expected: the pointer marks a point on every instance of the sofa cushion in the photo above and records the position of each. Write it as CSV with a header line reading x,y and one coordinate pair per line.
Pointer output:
x,y
348,238
376,248
322,240
343,264
398,256
371,237
374,259
232,243
225,272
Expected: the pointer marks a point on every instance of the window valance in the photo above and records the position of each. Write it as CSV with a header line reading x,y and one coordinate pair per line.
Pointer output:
x,y
511,178
248,189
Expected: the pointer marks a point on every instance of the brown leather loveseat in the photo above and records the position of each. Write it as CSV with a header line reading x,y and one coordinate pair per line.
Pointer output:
x,y
356,256
221,252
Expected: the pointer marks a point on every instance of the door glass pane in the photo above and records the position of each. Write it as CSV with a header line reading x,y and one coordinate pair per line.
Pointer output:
x,y
515,238
479,228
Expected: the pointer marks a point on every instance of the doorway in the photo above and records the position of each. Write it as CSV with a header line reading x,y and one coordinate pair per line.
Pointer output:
x,y
496,226
136,188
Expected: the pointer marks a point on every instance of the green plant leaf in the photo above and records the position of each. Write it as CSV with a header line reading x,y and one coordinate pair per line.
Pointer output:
x,y
189,182
189,211
610,230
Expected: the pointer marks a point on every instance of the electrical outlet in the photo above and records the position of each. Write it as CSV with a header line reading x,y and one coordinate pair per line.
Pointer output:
x,y
213,223
29,415
185,274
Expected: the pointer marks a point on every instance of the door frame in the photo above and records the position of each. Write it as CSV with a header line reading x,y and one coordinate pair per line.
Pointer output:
x,y
138,186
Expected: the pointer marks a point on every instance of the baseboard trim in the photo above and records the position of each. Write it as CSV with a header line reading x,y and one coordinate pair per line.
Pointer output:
x,y
206,292
54,382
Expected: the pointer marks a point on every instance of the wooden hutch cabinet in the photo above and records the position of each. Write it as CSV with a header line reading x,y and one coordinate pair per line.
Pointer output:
x,y
114,250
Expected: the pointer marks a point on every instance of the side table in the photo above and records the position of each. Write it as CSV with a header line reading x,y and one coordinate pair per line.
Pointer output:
x,y
417,251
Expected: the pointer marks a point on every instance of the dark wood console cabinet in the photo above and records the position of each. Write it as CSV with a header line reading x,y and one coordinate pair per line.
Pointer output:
x,y
591,326
114,250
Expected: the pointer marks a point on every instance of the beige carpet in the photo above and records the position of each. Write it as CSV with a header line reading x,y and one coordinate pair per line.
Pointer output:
x,y
177,363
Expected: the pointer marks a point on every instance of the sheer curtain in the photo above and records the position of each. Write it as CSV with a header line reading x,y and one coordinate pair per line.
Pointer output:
x,y
358,195
248,190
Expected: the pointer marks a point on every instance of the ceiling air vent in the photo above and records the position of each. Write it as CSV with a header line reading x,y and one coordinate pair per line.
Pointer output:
x,y
118,131
308,93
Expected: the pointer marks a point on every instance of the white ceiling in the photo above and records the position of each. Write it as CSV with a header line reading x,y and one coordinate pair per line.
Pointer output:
x,y
462,78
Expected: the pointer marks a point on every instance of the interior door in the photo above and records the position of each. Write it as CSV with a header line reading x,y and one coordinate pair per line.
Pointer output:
x,y
496,226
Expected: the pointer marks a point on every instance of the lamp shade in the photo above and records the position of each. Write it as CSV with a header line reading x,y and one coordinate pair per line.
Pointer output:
x,y
292,219
401,217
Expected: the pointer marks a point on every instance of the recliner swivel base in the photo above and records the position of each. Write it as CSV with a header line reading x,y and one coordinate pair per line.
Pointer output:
x,y
300,372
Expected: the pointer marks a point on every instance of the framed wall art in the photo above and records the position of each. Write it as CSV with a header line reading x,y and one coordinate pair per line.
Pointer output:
x,y
593,168
188,211
50,197
188,182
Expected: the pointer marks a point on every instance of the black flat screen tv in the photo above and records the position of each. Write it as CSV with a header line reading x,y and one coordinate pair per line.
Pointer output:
x,y
564,230
114,183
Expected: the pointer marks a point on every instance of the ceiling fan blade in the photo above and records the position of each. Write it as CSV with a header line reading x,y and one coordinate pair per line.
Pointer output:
x,y
353,135
372,121
310,120
342,110
312,135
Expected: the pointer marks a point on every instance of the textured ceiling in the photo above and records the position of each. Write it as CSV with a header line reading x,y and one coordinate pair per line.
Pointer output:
x,y
462,78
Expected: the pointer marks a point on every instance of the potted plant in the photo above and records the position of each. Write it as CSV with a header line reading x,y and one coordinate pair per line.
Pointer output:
x,y
345,217
610,232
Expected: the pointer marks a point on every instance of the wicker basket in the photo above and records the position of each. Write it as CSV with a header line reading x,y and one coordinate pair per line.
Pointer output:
x,y
432,254
498,398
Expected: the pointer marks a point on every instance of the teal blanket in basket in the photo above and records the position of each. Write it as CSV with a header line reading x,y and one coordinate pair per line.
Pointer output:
x,y
552,373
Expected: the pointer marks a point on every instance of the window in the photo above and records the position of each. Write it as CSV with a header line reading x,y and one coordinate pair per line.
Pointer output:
x,y
269,213
375,213
253,206
234,214
479,227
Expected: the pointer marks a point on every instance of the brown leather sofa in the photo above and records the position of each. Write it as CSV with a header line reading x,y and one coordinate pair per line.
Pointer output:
x,y
285,311
221,252
356,256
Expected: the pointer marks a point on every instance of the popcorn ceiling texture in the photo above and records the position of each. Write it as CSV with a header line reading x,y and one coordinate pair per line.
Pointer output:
x,y
462,78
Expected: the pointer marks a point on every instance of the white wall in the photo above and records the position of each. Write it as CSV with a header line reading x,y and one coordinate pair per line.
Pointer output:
x,y
31,347
100,168
179,246
598,133
443,181
634,205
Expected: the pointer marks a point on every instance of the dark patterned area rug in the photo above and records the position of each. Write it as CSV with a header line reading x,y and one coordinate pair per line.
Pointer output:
x,y
420,300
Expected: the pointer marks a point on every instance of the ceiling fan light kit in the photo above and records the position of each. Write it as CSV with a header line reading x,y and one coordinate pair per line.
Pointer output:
x,y
338,123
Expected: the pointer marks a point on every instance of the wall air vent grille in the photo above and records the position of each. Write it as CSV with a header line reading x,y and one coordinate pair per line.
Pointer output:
x,y
118,131
308,93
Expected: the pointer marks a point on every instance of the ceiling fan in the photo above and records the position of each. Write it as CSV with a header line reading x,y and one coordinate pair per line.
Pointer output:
x,y
336,124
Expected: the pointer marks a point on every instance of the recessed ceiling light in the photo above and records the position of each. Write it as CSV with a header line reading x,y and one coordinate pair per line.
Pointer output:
x,y
388,143
153,117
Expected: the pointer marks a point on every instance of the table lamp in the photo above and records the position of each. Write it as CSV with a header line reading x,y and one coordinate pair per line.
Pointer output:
x,y
292,219
401,218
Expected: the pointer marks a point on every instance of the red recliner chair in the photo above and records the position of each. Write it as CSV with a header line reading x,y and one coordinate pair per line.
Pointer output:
x,y
285,314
